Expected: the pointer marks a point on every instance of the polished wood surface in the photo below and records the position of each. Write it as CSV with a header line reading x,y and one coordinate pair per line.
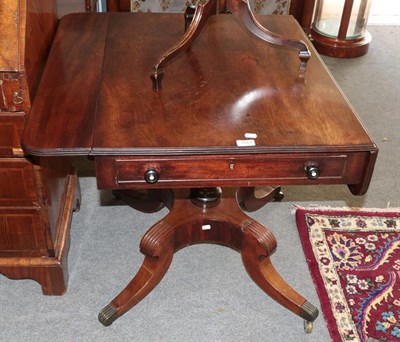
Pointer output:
x,y
179,147
37,195
25,252
77,55
205,10
125,172
257,82
227,87
27,29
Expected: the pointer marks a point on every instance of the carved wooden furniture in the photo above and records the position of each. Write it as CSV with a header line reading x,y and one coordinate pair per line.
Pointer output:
x,y
233,116
37,195
197,19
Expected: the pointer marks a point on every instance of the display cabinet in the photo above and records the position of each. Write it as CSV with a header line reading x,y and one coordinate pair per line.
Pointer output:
x,y
339,28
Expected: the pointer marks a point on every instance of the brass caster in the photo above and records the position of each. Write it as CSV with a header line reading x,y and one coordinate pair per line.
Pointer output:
x,y
308,326
279,196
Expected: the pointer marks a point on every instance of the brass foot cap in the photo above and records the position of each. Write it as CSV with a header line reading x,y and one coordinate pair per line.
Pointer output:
x,y
309,312
108,315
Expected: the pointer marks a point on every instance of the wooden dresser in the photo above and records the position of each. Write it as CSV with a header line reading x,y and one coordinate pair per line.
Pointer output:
x,y
37,195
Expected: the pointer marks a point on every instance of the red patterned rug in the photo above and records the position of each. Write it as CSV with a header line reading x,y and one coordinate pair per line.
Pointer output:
x,y
354,259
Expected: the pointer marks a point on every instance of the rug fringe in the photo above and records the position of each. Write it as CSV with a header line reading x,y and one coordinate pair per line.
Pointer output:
x,y
313,207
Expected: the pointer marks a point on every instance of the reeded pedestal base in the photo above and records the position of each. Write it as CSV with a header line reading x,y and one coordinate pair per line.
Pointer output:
x,y
204,215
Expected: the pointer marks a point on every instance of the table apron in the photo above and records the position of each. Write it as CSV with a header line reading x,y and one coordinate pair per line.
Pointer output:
x,y
124,172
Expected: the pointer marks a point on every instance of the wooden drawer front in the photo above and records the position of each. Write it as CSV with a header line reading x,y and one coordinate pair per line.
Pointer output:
x,y
11,127
125,172
17,183
11,98
22,233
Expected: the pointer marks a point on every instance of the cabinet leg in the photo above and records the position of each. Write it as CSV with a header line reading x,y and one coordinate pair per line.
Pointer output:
x,y
51,272
54,281
51,276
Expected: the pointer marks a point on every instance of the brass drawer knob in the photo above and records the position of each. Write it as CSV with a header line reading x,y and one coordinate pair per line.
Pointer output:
x,y
312,171
151,176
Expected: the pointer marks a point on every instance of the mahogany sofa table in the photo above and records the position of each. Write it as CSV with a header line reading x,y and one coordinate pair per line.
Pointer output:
x,y
188,146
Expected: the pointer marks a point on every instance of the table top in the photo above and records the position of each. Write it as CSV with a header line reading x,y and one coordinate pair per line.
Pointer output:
x,y
96,96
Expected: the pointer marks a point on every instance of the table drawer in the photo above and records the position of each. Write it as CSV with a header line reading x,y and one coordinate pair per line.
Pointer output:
x,y
18,183
199,171
11,127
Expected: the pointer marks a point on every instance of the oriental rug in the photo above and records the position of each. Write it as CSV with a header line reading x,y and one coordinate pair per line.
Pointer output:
x,y
354,260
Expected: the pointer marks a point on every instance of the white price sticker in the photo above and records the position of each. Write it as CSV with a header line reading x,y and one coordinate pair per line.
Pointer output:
x,y
206,227
245,143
